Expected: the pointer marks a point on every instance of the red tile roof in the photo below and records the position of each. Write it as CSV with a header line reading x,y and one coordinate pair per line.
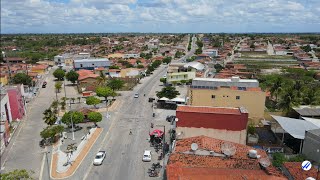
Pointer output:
x,y
217,110
297,173
191,166
88,76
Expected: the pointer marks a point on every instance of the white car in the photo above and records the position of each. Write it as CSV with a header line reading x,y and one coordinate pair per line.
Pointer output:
x,y
136,95
99,158
146,156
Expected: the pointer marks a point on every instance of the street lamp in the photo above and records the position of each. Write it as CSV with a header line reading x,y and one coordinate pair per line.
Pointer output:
x,y
72,123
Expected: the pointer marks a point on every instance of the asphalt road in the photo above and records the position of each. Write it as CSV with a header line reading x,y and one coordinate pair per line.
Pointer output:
x,y
124,151
24,151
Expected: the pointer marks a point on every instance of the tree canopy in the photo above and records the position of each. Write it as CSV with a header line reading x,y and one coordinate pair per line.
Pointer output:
x,y
93,101
59,74
168,92
17,174
116,84
22,78
167,59
49,117
72,76
95,117
51,131
77,117
104,92
58,86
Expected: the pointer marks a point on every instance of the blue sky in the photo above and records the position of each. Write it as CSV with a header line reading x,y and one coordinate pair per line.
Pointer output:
x,y
173,16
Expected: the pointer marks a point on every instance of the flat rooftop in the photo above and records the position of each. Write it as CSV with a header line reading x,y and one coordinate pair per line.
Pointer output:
x,y
92,59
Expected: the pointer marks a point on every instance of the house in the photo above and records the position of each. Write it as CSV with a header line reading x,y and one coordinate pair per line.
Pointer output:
x,y
114,72
87,80
132,55
67,59
90,64
233,92
15,60
293,170
4,79
180,76
210,52
17,102
307,111
6,119
228,124
116,55
311,144
130,72
46,62
208,158
40,69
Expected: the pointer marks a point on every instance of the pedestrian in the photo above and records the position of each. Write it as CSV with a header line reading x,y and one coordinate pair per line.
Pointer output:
x,y
130,133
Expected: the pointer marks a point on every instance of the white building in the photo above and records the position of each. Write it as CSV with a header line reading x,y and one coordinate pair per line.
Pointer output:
x,y
91,64
60,60
133,55
5,120
211,52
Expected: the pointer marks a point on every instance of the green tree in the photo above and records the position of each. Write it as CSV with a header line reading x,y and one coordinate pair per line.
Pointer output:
x,y
276,87
114,67
22,78
116,84
102,79
95,117
140,66
218,67
58,86
49,117
278,159
163,80
54,106
311,96
59,74
17,174
51,131
77,117
104,92
63,105
198,51
72,76
167,60
93,101
288,100
168,92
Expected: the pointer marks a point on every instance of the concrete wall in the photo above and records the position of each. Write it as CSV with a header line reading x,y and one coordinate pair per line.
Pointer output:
x,y
90,64
310,145
253,101
233,136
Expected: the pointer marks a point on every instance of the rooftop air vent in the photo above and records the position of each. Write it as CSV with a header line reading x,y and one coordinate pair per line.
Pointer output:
x,y
228,149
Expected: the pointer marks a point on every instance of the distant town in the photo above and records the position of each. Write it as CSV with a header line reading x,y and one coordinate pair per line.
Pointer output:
x,y
160,106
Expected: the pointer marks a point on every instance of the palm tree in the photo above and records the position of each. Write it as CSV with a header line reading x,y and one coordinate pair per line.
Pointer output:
x,y
288,100
311,96
298,87
276,87
58,86
54,106
102,79
49,117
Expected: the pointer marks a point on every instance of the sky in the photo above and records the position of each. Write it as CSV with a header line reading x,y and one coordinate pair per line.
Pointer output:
x,y
159,16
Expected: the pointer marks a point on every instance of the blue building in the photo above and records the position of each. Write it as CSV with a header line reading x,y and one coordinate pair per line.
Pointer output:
x,y
90,64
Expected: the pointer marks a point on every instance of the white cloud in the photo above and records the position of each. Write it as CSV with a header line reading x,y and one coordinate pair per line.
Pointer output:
x,y
31,14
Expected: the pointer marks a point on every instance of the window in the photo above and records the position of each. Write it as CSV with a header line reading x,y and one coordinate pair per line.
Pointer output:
x,y
81,65
238,97
92,64
213,96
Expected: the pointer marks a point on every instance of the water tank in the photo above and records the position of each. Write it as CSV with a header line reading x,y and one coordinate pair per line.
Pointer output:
x,y
253,153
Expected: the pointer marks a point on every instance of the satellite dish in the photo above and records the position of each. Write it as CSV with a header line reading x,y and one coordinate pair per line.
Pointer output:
x,y
264,162
194,146
228,149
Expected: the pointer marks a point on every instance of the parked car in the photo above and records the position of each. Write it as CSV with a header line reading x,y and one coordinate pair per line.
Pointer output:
x,y
136,95
146,156
99,158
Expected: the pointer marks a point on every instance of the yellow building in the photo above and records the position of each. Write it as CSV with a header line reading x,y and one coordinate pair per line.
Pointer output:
x,y
68,62
116,55
3,79
234,92
40,69
177,77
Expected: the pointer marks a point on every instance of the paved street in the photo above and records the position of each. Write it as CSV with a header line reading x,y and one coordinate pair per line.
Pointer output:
x,y
24,151
124,151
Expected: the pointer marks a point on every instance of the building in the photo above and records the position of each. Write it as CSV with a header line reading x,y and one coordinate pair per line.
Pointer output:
x,y
15,60
233,92
180,76
210,52
293,170
116,55
208,158
40,69
91,64
114,72
3,79
6,119
307,111
17,102
130,72
87,80
229,124
133,55
67,59
311,145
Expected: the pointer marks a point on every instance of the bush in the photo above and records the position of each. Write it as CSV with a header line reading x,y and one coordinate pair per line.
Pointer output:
x,y
278,159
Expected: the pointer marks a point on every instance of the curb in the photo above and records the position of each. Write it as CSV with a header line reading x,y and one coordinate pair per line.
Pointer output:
x,y
73,168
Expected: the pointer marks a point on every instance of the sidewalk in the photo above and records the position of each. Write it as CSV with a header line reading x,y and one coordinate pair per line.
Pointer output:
x,y
58,171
